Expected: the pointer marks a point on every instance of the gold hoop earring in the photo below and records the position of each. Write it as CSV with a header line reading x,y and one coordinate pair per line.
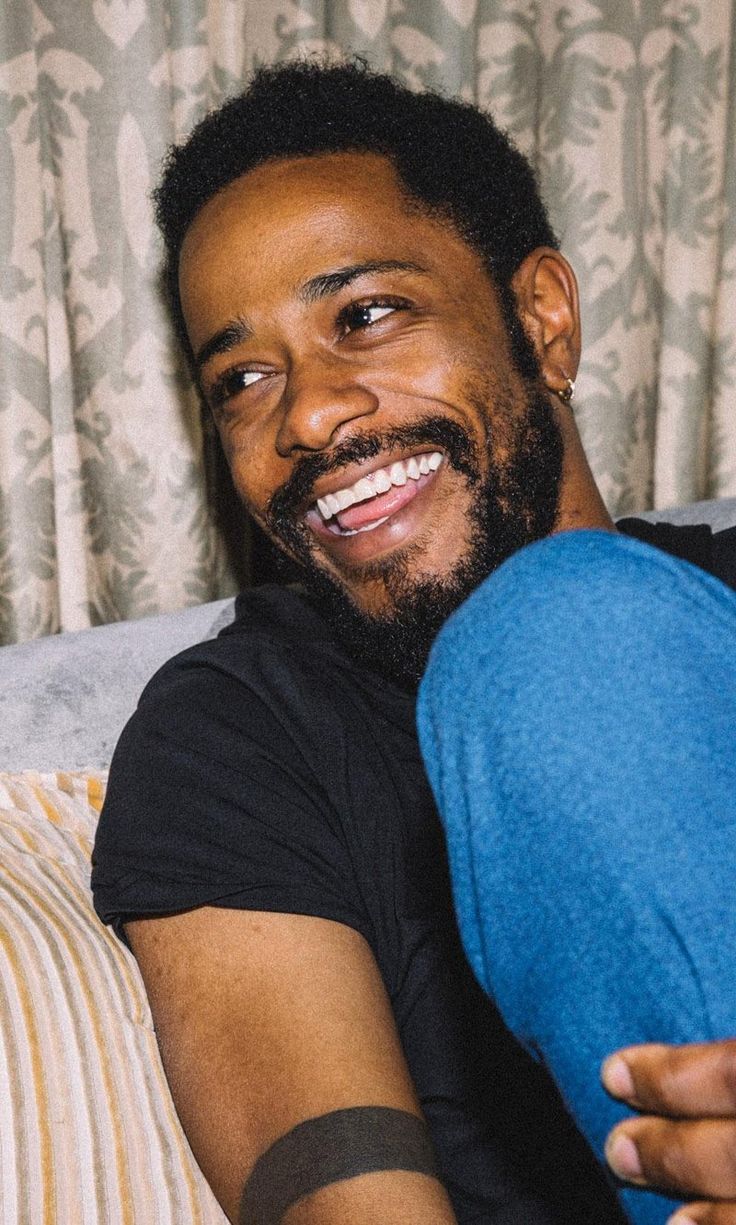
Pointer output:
x,y
567,392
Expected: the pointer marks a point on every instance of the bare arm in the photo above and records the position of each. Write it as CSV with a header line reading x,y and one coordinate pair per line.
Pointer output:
x,y
685,1140
267,1020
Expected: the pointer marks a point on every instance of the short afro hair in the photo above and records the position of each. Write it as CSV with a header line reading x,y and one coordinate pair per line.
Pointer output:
x,y
450,158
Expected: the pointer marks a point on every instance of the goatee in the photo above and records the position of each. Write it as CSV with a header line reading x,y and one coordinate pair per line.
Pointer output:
x,y
515,503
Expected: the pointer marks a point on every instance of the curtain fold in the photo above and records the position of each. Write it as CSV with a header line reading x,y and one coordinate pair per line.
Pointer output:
x,y
628,110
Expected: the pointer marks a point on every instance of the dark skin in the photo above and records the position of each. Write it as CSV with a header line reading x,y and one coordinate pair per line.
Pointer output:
x,y
322,307
312,373
684,1141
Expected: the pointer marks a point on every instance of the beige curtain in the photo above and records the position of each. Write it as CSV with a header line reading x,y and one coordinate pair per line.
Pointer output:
x,y
628,108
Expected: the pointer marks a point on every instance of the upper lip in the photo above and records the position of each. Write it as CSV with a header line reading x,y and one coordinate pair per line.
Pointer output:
x,y
344,477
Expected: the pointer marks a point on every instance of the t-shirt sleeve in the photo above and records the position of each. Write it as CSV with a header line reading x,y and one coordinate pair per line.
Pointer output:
x,y
724,553
696,543
216,797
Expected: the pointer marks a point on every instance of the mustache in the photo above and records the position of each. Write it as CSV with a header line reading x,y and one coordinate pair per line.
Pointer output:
x,y
286,504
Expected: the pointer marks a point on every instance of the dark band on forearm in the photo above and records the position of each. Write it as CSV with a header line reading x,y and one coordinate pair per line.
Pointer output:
x,y
331,1148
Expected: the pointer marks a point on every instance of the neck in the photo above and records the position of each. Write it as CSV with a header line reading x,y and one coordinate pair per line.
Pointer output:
x,y
581,504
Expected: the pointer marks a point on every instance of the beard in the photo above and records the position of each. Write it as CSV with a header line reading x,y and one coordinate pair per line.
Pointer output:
x,y
513,504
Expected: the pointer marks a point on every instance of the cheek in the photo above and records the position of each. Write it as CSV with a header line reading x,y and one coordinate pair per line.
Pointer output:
x,y
437,367
460,374
256,469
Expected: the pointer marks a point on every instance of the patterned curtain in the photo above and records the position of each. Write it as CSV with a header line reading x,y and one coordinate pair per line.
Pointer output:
x,y
628,109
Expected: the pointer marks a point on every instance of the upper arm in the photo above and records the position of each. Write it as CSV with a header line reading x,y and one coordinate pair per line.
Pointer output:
x,y
265,1020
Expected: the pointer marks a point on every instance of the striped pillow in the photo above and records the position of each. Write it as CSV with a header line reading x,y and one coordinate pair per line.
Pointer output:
x,y
88,1131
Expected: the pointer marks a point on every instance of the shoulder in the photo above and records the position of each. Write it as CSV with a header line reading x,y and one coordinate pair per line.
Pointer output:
x,y
223,783
272,661
270,621
257,705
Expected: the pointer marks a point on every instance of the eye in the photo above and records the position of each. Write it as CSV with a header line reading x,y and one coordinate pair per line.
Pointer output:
x,y
232,383
360,315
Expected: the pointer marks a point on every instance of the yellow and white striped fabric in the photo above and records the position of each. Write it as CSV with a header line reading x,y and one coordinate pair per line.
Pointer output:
x,y
88,1132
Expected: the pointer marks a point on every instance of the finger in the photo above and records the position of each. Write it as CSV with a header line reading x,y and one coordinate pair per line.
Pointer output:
x,y
705,1214
692,1081
695,1159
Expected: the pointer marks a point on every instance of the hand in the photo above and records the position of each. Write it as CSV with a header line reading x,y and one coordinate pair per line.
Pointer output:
x,y
685,1141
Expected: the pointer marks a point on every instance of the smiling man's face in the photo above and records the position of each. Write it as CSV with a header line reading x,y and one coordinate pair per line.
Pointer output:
x,y
358,365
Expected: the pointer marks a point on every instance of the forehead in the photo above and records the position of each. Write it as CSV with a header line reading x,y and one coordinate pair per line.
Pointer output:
x,y
287,220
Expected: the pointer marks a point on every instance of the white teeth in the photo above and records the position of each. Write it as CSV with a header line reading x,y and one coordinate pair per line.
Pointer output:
x,y
345,498
329,505
377,483
363,490
381,481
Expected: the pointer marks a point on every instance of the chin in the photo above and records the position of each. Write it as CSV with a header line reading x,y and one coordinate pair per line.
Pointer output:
x,y
388,610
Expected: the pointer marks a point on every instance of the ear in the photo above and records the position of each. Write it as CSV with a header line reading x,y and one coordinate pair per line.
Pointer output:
x,y
547,299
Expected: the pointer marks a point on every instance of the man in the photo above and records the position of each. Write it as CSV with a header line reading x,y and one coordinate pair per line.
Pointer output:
x,y
385,332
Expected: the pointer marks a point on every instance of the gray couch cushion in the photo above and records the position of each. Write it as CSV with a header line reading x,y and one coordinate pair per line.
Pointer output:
x,y
719,513
65,699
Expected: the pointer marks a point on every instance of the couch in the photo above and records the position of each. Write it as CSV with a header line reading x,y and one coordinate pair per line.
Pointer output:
x,y
88,1131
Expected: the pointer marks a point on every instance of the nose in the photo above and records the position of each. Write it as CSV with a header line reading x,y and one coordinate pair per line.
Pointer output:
x,y
320,398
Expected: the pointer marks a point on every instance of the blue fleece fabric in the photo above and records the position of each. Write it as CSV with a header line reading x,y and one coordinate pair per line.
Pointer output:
x,y
578,725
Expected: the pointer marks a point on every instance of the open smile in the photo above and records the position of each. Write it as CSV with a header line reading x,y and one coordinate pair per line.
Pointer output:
x,y
373,501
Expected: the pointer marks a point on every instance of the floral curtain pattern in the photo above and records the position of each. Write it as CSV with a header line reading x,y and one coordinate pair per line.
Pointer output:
x,y
628,109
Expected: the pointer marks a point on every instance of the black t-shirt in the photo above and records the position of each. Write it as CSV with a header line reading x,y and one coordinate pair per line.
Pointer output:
x,y
265,770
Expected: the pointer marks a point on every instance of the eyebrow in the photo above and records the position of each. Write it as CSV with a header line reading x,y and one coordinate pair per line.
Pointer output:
x,y
233,333
314,290
328,283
